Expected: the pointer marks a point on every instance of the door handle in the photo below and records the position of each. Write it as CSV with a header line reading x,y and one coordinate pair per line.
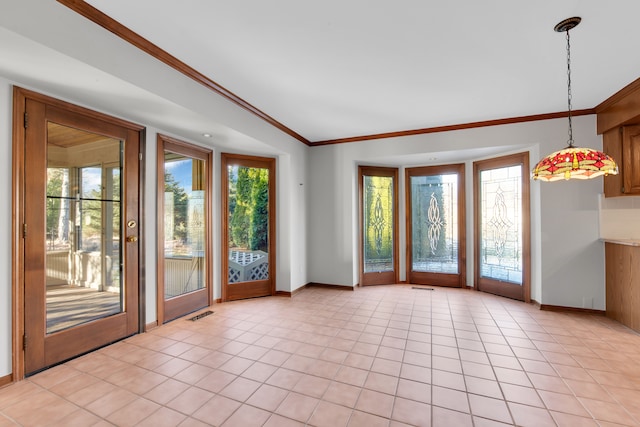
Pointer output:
x,y
132,239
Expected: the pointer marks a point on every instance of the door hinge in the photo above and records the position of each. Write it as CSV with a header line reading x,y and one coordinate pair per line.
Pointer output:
x,y
26,120
139,156
24,342
24,231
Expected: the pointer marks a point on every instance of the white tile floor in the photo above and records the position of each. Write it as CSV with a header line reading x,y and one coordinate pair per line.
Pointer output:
x,y
378,356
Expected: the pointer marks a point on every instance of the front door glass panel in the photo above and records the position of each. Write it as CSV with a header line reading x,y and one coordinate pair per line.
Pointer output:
x,y
501,233
378,221
434,216
83,228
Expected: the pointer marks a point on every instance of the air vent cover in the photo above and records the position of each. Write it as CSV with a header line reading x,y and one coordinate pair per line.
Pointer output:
x,y
201,315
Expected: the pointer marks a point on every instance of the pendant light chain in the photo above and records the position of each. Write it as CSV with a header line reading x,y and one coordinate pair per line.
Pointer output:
x,y
569,89
573,162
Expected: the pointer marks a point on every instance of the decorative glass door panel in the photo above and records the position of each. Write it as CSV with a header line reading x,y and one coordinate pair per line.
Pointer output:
x,y
248,229
378,205
434,214
502,220
378,224
435,227
501,224
185,279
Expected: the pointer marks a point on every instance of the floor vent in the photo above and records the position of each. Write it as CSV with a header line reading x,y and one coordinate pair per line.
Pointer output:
x,y
201,315
422,289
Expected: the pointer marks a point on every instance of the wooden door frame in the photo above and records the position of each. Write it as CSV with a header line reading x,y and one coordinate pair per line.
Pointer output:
x,y
249,161
163,144
459,169
494,163
18,191
384,171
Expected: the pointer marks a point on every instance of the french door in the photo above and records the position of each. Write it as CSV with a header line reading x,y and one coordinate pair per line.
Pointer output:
x,y
77,215
184,228
248,226
378,190
436,225
501,216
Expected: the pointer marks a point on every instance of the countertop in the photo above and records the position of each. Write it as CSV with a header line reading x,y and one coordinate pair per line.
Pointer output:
x,y
628,242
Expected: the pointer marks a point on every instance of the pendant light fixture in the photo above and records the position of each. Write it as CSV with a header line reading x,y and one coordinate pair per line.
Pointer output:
x,y
573,162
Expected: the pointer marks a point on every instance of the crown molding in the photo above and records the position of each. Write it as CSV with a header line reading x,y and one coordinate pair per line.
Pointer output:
x,y
110,24
461,126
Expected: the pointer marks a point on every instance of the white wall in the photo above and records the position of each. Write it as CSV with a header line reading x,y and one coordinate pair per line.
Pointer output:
x,y
572,254
572,261
332,178
5,225
298,190
150,224
564,214
620,217
292,219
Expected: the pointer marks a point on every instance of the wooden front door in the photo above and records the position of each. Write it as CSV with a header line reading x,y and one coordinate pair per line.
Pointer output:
x,y
436,225
79,185
502,226
378,188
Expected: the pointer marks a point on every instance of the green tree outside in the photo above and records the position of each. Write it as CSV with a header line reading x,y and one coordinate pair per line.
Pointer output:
x,y
248,208
180,206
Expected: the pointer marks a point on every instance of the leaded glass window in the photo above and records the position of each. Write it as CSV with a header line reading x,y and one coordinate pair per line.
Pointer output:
x,y
501,255
434,214
378,223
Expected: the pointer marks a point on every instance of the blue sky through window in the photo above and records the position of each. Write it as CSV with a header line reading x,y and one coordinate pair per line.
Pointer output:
x,y
181,172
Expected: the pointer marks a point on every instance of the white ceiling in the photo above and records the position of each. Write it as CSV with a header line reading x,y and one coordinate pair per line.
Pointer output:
x,y
326,70
343,68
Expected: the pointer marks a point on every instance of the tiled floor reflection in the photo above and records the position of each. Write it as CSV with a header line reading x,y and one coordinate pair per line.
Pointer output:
x,y
379,356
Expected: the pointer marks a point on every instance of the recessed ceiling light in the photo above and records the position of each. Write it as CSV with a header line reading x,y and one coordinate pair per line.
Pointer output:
x,y
206,135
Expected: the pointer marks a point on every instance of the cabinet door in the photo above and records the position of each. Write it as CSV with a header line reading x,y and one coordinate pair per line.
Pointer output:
x,y
631,159
612,145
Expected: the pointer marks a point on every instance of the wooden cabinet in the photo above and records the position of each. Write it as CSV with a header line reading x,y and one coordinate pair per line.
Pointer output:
x,y
612,145
631,159
623,145
618,120
622,263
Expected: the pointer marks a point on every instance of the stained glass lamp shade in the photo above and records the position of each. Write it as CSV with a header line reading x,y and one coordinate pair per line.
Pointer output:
x,y
573,162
